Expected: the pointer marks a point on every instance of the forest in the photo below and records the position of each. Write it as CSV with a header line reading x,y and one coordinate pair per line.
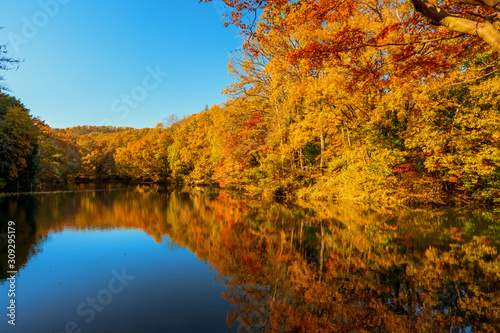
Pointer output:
x,y
394,102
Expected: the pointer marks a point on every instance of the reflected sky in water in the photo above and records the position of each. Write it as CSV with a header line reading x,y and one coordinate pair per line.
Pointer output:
x,y
171,290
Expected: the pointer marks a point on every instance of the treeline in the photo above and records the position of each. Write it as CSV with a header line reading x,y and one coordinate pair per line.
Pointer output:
x,y
335,100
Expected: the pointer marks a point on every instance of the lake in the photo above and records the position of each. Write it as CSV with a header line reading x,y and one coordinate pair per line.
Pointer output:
x,y
151,259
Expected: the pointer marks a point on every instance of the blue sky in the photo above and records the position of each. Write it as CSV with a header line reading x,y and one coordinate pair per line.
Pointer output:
x,y
121,63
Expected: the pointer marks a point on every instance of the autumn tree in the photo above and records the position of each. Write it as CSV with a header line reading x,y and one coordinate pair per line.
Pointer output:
x,y
18,143
477,18
194,149
58,157
340,90
145,159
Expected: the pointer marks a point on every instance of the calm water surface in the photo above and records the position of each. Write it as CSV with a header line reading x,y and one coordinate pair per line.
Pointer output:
x,y
146,259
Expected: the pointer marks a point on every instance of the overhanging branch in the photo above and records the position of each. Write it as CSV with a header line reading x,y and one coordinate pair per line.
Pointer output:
x,y
485,30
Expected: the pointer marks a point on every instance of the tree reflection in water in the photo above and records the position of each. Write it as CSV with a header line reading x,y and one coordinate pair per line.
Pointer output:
x,y
303,268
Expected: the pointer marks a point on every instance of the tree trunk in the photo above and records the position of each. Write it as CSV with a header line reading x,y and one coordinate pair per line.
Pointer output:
x,y
322,161
322,252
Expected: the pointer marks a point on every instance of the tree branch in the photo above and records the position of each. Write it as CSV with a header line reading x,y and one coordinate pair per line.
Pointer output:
x,y
489,3
484,30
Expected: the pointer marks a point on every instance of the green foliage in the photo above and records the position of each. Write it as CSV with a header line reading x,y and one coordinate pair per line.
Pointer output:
x,y
391,133
311,152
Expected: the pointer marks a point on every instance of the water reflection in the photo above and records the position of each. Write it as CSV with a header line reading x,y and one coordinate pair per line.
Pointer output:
x,y
307,268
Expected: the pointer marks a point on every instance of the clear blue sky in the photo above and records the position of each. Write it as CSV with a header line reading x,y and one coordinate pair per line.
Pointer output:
x,y
89,62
